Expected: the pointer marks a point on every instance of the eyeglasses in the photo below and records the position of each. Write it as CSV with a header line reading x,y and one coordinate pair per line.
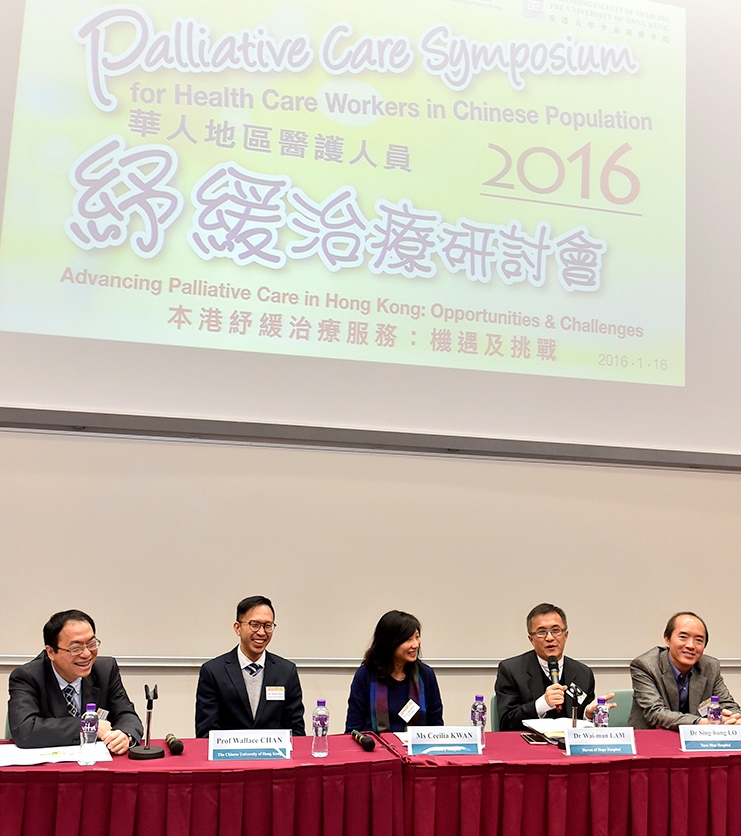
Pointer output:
x,y
556,632
79,649
267,626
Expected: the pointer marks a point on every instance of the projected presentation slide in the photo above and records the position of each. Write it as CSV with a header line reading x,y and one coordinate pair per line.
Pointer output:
x,y
491,185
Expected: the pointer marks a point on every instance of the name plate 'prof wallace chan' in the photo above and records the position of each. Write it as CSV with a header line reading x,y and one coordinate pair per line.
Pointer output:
x,y
240,745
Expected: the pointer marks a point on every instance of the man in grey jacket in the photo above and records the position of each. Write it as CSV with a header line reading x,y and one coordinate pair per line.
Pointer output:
x,y
671,683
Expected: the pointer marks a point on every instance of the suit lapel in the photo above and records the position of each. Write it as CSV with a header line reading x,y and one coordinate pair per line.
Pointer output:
x,y
234,672
268,678
57,703
535,677
670,683
697,689
90,691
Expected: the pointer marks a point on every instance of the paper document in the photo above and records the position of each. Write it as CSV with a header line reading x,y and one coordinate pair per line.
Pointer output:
x,y
554,729
12,755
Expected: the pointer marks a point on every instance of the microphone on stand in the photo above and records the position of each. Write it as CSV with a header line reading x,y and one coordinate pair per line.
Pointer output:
x,y
553,671
147,752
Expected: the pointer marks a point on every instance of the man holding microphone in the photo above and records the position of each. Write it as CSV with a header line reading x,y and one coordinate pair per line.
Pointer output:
x,y
534,685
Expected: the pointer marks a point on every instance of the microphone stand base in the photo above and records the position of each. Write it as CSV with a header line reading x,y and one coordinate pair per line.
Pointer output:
x,y
139,753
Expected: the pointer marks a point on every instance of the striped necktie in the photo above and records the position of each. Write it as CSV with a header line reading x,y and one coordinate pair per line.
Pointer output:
x,y
253,668
69,698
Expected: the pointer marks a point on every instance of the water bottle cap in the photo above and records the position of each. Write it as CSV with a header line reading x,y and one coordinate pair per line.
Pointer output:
x,y
714,699
90,706
321,702
600,700
479,697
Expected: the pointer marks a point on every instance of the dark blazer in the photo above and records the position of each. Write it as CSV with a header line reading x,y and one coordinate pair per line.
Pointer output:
x,y
222,702
520,683
656,695
359,715
37,711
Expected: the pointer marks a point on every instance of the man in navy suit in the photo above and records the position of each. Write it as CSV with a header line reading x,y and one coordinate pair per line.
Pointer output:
x,y
249,688
524,687
48,694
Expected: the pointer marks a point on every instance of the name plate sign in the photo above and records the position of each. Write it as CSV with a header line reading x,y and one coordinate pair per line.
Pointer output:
x,y
444,740
710,738
602,743
241,745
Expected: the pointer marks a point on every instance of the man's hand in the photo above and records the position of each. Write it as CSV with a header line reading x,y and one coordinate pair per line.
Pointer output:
x,y
554,695
104,728
729,719
589,710
117,741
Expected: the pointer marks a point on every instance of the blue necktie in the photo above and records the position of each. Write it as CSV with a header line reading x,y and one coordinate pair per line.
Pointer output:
x,y
684,692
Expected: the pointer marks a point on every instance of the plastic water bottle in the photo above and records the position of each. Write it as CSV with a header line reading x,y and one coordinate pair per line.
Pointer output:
x,y
478,717
320,725
88,735
601,716
714,711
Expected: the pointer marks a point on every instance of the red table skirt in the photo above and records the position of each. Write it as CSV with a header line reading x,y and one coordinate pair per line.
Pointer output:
x,y
516,790
350,793
512,790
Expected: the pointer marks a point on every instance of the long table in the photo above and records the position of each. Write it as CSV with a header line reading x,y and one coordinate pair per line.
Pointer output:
x,y
513,789
348,793
518,789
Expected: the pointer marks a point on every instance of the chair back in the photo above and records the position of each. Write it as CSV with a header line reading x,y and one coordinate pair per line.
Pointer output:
x,y
493,716
619,715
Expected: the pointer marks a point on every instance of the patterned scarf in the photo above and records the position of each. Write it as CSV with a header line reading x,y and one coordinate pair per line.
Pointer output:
x,y
379,702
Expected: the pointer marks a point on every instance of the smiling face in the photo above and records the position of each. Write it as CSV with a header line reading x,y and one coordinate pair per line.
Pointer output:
x,y
686,643
74,634
407,651
253,642
547,644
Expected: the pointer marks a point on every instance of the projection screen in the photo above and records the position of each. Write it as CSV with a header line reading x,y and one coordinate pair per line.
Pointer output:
x,y
481,219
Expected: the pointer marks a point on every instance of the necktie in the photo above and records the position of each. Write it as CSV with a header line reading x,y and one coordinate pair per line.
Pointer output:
x,y
253,668
69,698
684,692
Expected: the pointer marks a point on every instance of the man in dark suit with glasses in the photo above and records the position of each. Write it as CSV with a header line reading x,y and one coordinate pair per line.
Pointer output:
x,y
248,687
49,693
525,688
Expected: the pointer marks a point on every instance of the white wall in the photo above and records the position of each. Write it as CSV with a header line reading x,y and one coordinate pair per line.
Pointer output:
x,y
158,540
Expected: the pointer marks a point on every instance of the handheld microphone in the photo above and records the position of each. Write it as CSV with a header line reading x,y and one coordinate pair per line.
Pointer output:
x,y
553,671
174,745
368,743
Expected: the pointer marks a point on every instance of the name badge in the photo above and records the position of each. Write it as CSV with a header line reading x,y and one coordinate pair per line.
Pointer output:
x,y
409,710
275,693
239,745
605,743
710,738
444,740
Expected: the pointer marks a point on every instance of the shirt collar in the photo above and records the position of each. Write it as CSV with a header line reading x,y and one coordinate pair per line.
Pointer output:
x,y
675,670
244,661
544,665
76,683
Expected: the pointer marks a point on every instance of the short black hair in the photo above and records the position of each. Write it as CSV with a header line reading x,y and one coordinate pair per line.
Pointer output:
x,y
53,626
393,629
544,609
247,604
672,623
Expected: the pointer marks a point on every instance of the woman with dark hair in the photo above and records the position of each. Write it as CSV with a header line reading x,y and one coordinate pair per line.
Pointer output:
x,y
392,688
